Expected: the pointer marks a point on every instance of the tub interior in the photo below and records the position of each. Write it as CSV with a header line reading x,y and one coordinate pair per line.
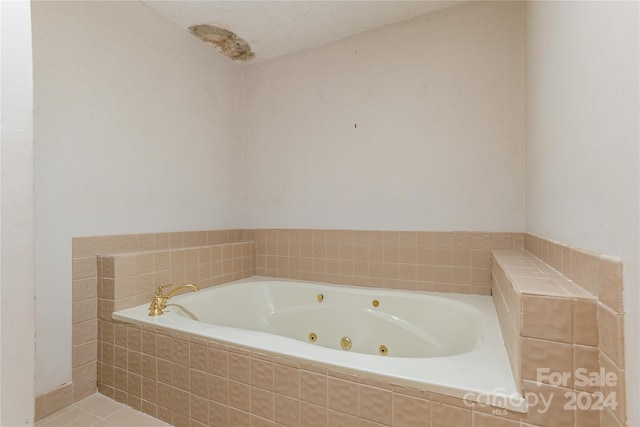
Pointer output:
x,y
444,343
375,324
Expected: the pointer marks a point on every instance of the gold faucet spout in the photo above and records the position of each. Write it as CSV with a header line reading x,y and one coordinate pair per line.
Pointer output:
x,y
159,301
191,286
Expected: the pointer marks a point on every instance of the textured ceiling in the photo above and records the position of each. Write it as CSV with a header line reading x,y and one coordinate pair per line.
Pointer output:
x,y
275,28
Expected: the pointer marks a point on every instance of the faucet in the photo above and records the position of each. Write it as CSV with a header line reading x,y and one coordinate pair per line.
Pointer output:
x,y
159,301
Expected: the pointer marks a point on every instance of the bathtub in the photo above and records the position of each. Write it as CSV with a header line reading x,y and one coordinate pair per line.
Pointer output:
x,y
444,343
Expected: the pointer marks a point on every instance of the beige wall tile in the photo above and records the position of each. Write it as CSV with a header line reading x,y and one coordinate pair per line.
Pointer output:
x,y
257,421
554,356
180,375
218,362
84,247
198,383
586,358
566,260
286,411
144,263
343,396
410,411
485,420
554,255
517,240
124,266
375,404
480,240
84,375
219,389
286,380
84,310
611,334
443,257
134,384
84,268
547,318
180,351
481,258
84,353
80,393
220,413
84,289
609,419
614,389
338,419
85,331
262,374
501,241
584,270
443,415
555,414
585,321
610,282
124,287
481,277
239,396
198,357
262,403
239,368
312,415
529,242
58,399
442,240
313,388
425,240
199,409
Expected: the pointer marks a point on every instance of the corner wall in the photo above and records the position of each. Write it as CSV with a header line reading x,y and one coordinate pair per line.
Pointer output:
x,y
414,126
582,152
137,129
16,242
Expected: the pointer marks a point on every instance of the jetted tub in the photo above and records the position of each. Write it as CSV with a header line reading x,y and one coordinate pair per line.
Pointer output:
x,y
445,343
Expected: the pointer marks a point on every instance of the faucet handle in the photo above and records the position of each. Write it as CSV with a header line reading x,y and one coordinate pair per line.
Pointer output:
x,y
159,291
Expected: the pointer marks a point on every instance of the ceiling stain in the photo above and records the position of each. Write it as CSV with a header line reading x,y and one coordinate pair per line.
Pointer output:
x,y
227,42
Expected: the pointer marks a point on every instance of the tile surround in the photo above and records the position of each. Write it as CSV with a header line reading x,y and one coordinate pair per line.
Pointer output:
x,y
85,288
129,279
602,277
410,260
233,386
562,321
413,260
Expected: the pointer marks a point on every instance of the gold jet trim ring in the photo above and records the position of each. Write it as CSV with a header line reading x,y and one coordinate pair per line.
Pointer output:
x,y
345,343
383,350
320,297
375,303
313,337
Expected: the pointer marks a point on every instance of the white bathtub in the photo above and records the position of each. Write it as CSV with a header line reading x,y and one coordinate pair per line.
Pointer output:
x,y
445,343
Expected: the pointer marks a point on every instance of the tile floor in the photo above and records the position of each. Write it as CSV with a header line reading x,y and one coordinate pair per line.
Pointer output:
x,y
99,411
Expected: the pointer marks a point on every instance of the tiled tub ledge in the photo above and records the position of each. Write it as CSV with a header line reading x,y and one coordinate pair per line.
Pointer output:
x,y
187,381
129,279
551,329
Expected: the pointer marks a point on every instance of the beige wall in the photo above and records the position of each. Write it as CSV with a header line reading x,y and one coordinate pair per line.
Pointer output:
x,y
16,243
137,128
583,177
439,145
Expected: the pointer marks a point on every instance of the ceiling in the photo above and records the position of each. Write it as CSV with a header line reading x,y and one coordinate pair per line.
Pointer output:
x,y
275,28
